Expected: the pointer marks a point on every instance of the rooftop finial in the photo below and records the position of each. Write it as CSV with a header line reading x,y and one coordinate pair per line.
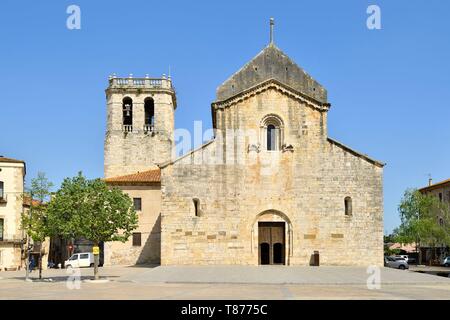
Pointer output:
x,y
272,22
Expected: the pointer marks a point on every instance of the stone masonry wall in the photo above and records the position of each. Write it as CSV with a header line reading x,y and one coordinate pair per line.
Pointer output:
x,y
127,153
304,187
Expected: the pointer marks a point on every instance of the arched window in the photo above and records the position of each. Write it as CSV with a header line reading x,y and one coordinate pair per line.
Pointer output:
x,y
348,206
271,137
2,192
127,111
196,207
149,107
272,133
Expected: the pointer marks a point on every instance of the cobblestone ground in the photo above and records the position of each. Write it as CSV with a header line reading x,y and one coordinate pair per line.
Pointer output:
x,y
225,282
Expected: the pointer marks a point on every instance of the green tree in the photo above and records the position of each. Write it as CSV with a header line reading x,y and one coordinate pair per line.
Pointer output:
x,y
89,209
424,220
35,222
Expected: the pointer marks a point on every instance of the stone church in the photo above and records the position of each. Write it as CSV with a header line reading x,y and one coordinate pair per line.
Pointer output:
x,y
270,188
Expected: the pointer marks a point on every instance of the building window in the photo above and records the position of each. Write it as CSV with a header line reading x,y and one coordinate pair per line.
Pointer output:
x,y
196,207
272,132
137,202
271,137
348,206
440,196
2,223
2,194
149,108
448,196
137,239
127,112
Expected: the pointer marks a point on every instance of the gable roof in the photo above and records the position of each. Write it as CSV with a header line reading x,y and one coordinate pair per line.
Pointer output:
x,y
436,185
10,160
144,177
356,153
271,63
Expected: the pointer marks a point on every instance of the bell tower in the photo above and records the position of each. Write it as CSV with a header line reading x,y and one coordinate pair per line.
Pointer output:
x,y
140,124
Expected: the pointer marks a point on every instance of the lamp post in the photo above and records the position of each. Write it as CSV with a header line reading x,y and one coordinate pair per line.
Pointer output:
x,y
28,247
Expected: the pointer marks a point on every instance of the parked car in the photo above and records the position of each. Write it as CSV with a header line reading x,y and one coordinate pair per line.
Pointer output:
x,y
403,256
80,260
396,262
446,261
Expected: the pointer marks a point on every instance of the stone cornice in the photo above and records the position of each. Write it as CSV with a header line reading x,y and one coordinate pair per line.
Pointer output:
x,y
137,90
271,84
356,153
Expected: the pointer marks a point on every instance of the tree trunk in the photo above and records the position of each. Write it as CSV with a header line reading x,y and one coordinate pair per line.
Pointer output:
x,y
40,264
96,262
419,251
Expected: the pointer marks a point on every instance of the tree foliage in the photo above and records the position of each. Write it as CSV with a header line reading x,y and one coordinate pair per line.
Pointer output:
x,y
424,220
90,209
35,223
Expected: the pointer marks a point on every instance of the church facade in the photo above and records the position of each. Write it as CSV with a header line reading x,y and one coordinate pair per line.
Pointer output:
x,y
270,188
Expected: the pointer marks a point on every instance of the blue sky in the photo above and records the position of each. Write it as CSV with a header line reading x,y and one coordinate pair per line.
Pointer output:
x,y
389,88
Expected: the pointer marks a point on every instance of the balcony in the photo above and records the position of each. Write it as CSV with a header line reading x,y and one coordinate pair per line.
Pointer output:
x,y
144,83
127,128
10,239
3,198
149,128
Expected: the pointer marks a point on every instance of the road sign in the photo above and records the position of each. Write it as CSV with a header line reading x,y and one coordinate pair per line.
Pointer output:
x,y
95,250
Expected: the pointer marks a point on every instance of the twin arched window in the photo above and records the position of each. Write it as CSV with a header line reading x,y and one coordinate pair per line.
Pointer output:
x,y
127,114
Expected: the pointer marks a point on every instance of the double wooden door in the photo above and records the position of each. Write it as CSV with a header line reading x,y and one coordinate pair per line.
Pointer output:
x,y
271,240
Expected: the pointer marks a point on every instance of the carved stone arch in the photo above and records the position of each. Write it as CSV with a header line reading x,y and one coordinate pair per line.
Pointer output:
x,y
272,132
276,217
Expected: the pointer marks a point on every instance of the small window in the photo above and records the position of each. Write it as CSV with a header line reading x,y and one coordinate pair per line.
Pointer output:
x,y
448,196
196,207
84,256
137,202
2,221
348,206
137,239
1,190
271,137
440,196
441,222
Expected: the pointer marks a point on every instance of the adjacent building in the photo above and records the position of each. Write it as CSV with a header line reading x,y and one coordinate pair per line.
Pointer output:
x,y
440,190
12,175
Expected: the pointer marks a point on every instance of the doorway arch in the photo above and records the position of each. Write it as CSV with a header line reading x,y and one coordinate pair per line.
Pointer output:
x,y
272,238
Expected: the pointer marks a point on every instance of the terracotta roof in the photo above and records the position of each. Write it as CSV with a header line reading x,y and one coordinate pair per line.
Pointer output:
x,y
26,202
4,159
436,185
144,177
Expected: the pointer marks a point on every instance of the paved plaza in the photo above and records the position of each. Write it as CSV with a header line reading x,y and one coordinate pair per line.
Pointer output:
x,y
226,282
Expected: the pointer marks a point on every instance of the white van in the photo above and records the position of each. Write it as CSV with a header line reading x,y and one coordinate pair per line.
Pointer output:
x,y
80,260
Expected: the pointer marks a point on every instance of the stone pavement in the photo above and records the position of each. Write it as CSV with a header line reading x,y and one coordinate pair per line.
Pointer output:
x,y
228,282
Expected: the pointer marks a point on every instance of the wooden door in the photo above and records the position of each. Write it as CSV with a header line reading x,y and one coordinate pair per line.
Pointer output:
x,y
271,242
